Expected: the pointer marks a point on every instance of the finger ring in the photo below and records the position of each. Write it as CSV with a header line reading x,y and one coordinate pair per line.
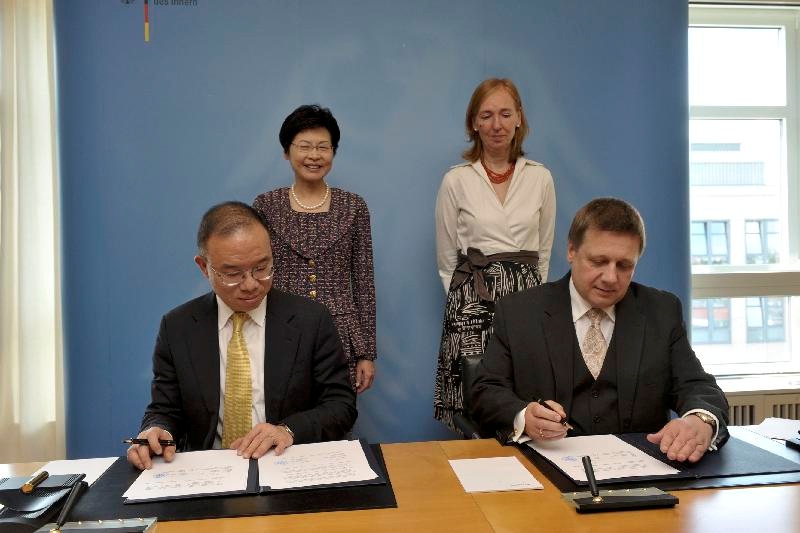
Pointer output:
x,y
541,433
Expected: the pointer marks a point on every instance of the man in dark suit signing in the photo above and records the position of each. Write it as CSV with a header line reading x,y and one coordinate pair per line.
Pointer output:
x,y
244,367
605,354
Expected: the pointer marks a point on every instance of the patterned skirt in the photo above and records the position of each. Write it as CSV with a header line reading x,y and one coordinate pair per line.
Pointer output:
x,y
468,326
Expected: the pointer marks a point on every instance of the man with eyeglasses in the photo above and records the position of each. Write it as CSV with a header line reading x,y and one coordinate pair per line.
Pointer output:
x,y
237,369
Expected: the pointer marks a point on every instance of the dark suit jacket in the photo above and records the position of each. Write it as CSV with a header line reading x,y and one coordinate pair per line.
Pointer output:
x,y
306,382
530,355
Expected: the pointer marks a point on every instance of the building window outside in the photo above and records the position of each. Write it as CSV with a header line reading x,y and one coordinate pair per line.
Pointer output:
x,y
765,322
744,187
762,241
709,243
711,322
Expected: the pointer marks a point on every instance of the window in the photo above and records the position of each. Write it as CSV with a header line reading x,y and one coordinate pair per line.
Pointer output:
x,y
711,322
765,320
710,243
761,241
744,188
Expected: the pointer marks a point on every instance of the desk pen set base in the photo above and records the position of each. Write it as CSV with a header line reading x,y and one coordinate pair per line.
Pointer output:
x,y
121,525
620,500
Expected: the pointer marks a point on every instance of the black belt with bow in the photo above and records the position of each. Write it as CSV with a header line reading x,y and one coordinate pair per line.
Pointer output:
x,y
474,262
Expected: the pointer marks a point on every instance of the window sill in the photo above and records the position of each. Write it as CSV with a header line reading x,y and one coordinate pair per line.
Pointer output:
x,y
760,384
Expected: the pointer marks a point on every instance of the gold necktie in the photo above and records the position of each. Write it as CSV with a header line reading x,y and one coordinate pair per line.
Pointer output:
x,y
237,419
594,344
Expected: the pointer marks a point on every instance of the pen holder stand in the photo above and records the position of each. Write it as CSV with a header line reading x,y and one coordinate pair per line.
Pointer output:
x,y
620,500
25,512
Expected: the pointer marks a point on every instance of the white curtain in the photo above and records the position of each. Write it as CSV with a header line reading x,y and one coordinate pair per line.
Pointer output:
x,y
31,382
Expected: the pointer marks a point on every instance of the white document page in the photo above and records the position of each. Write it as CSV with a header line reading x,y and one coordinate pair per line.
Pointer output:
x,y
493,474
611,457
190,474
777,428
93,468
322,463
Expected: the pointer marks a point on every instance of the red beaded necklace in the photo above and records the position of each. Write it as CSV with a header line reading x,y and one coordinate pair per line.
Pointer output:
x,y
498,177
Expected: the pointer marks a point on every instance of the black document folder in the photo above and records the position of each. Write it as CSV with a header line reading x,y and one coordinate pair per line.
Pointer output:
x,y
254,487
737,463
26,512
103,501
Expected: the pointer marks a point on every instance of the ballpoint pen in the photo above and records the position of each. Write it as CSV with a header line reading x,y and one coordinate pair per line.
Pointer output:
x,y
163,442
587,467
73,496
34,482
563,420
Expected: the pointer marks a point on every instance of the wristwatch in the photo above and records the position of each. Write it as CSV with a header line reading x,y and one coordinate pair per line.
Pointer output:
x,y
286,428
707,419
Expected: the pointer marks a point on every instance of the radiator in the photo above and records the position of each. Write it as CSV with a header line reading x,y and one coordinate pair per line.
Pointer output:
x,y
750,409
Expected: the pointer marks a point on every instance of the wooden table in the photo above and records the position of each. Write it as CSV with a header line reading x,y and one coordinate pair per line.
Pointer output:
x,y
430,498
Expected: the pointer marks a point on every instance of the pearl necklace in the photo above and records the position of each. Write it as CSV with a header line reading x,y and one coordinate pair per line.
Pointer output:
x,y
311,207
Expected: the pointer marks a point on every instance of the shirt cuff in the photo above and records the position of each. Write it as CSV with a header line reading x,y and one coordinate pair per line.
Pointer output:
x,y
713,446
518,435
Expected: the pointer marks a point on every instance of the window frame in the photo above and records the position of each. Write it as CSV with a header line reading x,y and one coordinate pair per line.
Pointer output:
x,y
726,281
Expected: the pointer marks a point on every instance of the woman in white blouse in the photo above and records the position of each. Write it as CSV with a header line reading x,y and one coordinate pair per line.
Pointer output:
x,y
495,217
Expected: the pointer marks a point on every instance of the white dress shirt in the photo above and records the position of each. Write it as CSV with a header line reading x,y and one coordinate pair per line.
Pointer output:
x,y
254,335
469,214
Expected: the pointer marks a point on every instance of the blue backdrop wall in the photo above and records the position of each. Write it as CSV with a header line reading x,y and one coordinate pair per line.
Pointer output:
x,y
153,133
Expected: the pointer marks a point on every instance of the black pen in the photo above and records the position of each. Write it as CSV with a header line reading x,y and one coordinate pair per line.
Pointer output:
x,y
74,494
563,421
587,467
34,482
163,442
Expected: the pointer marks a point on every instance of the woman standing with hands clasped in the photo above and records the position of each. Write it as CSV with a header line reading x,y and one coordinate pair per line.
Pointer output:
x,y
321,237
495,218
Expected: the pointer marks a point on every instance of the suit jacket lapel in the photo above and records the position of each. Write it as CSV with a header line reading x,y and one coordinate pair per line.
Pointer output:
x,y
629,330
559,335
280,345
203,342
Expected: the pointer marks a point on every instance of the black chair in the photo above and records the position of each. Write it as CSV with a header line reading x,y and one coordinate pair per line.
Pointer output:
x,y
463,421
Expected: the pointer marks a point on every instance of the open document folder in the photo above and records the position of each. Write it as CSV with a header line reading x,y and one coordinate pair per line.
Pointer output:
x,y
222,472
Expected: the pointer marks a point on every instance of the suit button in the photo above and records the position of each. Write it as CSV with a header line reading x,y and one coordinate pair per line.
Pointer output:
x,y
312,278
595,394
312,263
312,293
596,419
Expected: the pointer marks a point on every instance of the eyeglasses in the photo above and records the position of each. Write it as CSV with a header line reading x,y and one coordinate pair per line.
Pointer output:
x,y
232,279
307,148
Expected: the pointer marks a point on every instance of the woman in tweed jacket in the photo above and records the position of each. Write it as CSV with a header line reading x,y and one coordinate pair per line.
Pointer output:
x,y
321,238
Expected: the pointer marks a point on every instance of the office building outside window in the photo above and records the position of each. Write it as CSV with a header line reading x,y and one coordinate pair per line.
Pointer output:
x,y
711,322
744,188
762,241
709,243
765,320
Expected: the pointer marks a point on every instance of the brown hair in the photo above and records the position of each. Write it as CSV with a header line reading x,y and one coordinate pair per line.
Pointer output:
x,y
607,214
474,152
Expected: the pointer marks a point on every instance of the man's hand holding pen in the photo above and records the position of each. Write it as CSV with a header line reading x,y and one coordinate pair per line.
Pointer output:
x,y
546,420
139,455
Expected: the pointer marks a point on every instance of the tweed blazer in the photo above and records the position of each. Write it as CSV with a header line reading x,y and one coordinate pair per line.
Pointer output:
x,y
327,257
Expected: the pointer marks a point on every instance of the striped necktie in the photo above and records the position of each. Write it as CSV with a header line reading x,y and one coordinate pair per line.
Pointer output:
x,y
594,344
238,416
